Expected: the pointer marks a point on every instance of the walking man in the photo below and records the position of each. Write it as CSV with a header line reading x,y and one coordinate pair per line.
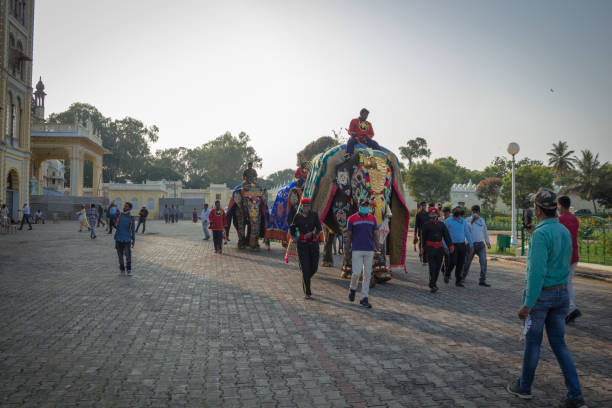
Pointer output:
x,y
362,231
361,131
569,220
100,216
459,233
25,211
125,238
218,221
419,221
92,217
113,212
480,237
305,228
434,232
205,222
546,299
142,219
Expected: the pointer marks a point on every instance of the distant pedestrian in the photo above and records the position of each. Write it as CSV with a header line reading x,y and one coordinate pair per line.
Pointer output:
x,y
446,213
172,214
125,238
38,216
113,212
546,300
100,216
480,238
83,223
420,219
194,216
4,216
362,232
340,240
92,218
437,242
305,229
570,221
142,219
205,222
459,233
166,214
25,211
218,221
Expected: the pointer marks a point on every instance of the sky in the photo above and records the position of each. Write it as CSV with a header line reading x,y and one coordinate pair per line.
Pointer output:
x,y
468,76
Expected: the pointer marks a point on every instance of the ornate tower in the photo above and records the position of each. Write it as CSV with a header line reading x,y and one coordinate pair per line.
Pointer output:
x,y
39,100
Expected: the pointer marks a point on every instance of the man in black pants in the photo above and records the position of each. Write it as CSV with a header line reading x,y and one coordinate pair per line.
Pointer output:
x,y
433,233
460,233
419,221
306,228
142,219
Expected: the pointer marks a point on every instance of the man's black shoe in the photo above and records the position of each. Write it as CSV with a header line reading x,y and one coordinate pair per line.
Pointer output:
x,y
484,284
364,303
515,389
434,289
572,316
352,295
459,284
574,403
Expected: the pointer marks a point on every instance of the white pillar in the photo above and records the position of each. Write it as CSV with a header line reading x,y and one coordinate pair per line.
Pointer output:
x,y
514,242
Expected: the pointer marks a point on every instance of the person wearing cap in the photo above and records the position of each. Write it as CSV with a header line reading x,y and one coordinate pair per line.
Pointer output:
x,y
570,221
480,237
361,131
362,232
460,233
546,299
142,219
305,229
420,220
433,233
301,174
218,222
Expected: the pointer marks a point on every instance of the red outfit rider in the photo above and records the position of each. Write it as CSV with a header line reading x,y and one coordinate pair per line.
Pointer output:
x,y
361,128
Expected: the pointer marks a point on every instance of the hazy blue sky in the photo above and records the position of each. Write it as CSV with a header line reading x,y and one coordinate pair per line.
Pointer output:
x,y
468,76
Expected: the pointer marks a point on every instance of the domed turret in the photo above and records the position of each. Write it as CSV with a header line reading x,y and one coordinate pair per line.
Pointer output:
x,y
40,86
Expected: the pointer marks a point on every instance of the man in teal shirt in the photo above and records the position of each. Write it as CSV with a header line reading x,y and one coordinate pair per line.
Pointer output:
x,y
546,299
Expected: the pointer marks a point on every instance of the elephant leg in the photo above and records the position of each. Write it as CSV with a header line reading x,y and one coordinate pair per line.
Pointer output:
x,y
328,260
347,264
379,267
253,237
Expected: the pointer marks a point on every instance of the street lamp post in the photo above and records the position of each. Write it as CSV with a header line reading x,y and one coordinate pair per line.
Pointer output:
x,y
513,149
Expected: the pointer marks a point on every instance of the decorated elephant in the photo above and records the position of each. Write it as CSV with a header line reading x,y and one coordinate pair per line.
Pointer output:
x,y
247,209
337,186
283,210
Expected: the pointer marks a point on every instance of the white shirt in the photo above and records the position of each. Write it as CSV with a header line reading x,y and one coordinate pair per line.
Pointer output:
x,y
205,214
478,230
26,210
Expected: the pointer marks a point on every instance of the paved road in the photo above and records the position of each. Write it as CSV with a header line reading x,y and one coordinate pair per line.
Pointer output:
x,y
196,329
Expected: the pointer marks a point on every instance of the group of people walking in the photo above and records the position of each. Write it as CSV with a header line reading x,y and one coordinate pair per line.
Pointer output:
x,y
171,214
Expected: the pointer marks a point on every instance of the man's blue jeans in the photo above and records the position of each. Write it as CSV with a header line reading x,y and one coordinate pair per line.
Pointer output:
x,y
350,145
550,311
481,250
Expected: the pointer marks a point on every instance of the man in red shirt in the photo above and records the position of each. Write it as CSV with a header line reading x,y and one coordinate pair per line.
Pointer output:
x,y
570,222
218,222
301,174
361,131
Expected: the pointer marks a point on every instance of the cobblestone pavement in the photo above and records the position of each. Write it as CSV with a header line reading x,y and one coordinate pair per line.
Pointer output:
x,y
191,328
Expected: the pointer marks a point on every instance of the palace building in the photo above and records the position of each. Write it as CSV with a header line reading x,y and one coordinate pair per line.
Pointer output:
x,y
16,32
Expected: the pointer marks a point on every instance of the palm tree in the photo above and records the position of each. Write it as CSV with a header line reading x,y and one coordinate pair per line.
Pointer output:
x,y
559,160
585,177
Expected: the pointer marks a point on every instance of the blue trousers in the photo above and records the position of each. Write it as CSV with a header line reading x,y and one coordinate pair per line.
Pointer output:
x,y
350,145
550,311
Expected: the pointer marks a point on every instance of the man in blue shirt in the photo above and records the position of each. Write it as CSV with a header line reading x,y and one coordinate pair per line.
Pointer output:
x,y
124,235
460,233
480,238
546,299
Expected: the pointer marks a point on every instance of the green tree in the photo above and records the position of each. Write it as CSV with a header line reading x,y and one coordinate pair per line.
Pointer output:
x,y
488,191
461,174
529,179
603,189
585,178
318,146
222,160
500,166
414,150
279,178
560,160
429,182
